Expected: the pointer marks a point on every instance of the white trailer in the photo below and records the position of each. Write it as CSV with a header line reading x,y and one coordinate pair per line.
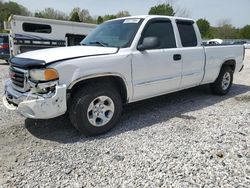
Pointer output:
x,y
31,33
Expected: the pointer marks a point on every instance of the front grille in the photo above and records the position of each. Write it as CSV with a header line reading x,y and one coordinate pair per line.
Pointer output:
x,y
17,77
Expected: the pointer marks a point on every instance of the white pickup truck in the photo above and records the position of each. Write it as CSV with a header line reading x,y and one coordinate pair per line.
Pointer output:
x,y
121,61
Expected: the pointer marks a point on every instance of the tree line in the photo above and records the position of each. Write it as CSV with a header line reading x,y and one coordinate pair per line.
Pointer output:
x,y
224,30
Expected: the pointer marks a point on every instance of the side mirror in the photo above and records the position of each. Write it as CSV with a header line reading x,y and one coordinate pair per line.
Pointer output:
x,y
149,43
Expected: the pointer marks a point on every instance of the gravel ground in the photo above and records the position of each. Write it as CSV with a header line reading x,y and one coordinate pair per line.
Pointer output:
x,y
186,139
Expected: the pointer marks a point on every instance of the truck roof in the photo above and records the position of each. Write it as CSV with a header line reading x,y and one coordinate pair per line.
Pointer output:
x,y
155,16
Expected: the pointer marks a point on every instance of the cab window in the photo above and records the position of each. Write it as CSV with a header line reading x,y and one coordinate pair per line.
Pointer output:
x,y
187,33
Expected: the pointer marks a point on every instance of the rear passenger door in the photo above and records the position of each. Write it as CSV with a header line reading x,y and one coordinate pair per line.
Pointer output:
x,y
156,71
193,55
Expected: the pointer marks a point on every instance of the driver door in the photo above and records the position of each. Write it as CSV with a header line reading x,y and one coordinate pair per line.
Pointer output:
x,y
157,71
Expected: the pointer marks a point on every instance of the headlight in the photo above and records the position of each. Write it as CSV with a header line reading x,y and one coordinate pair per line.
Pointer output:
x,y
43,74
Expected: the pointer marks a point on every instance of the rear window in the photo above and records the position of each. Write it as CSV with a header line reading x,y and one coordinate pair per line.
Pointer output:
x,y
187,33
36,28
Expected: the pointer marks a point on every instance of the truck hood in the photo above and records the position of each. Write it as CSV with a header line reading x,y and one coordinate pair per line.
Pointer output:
x,y
39,58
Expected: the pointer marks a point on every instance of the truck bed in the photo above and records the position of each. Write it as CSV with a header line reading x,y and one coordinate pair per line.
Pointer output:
x,y
218,54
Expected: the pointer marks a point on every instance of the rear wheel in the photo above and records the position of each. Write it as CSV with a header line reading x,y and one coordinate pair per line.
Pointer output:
x,y
223,83
95,109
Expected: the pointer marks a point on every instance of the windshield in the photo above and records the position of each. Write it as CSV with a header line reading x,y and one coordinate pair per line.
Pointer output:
x,y
117,33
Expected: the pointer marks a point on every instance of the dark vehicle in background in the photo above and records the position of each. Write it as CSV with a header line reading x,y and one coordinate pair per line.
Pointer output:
x,y
242,42
4,47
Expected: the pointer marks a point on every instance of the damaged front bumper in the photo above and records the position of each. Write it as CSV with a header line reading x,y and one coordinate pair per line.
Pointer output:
x,y
36,106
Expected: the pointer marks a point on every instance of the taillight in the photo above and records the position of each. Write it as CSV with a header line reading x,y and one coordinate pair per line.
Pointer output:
x,y
4,46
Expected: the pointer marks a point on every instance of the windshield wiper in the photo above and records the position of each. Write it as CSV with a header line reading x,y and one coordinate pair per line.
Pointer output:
x,y
99,43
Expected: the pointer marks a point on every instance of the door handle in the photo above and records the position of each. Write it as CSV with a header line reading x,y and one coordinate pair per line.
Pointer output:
x,y
177,57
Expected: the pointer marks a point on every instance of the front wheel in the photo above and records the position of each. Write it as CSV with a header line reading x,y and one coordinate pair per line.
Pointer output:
x,y
95,109
223,83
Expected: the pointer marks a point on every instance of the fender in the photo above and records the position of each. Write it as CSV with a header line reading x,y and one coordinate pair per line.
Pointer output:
x,y
231,61
128,89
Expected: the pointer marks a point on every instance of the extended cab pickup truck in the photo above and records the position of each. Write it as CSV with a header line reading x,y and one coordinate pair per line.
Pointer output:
x,y
121,61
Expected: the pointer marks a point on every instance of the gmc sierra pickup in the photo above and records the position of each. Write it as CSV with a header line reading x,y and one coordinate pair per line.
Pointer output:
x,y
121,61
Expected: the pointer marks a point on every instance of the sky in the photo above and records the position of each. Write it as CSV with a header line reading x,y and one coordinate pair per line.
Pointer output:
x,y
235,11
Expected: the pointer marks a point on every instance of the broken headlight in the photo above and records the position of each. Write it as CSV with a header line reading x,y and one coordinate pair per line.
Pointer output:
x,y
43,80
43,75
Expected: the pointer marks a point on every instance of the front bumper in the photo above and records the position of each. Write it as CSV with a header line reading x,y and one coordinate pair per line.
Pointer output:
x,y
36,106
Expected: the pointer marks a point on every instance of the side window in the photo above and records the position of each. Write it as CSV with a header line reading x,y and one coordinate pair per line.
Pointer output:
x,y
74,40
187,34
164,31
36,28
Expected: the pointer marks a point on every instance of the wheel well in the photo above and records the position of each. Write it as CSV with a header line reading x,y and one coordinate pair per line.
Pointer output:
x,y
115,81
231,63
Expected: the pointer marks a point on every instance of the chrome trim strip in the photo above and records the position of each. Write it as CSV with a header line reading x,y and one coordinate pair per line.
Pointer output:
x,y
156,80
20,70
102,75
190,74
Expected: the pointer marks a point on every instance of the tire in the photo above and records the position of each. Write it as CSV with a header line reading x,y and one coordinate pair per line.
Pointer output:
x,y
223,83
95,109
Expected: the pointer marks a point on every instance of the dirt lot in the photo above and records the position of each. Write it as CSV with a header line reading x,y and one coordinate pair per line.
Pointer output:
x,y
186,139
